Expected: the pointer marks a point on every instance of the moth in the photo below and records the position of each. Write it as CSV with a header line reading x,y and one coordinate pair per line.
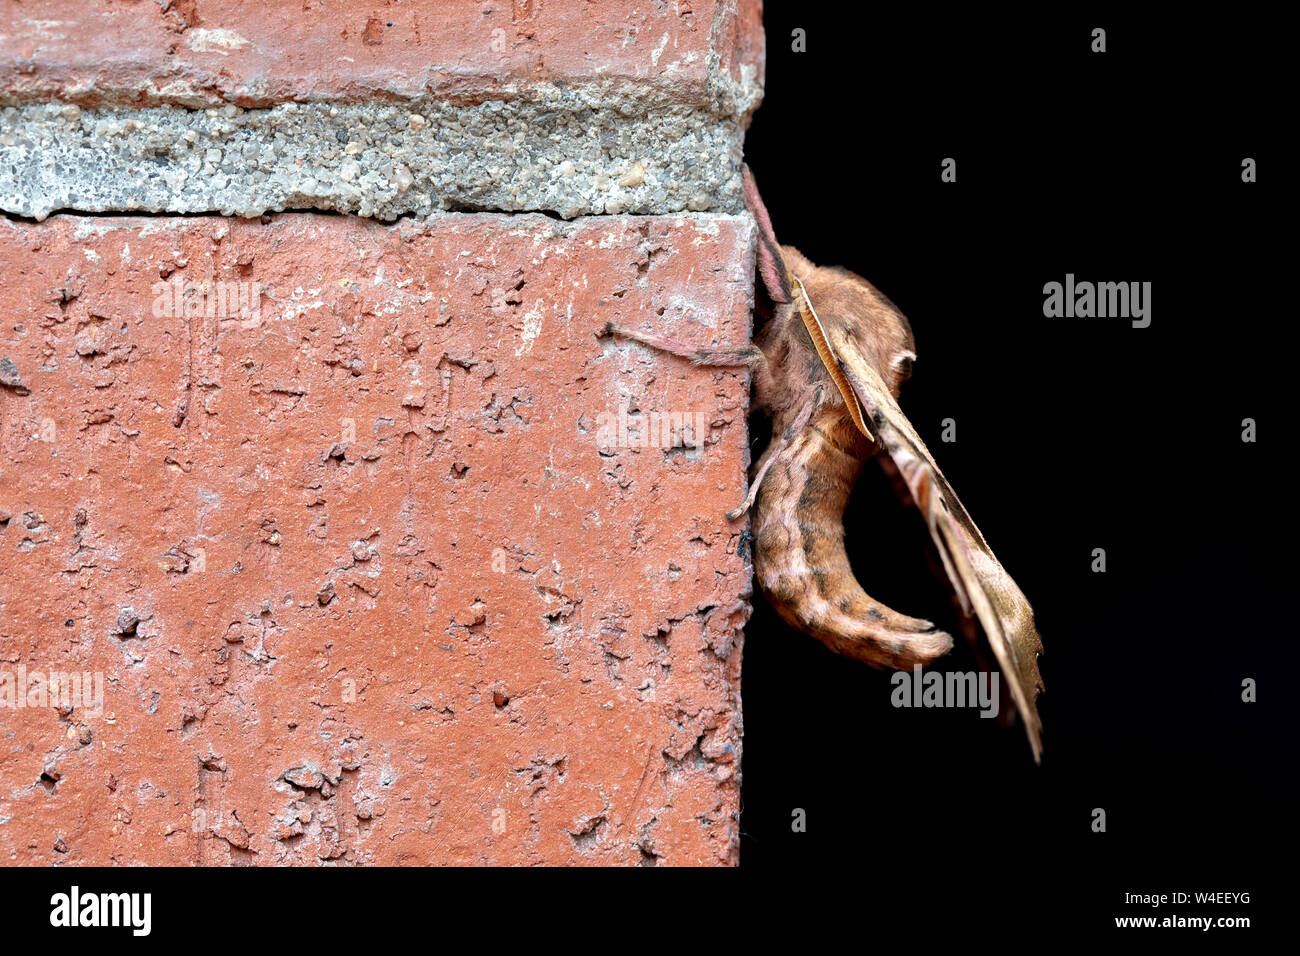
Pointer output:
x,y
828,364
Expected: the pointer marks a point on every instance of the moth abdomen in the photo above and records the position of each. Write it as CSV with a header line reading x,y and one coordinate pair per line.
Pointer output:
x,y
801,563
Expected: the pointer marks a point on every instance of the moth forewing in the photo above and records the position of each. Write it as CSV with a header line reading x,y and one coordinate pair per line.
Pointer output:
x,y
1009,628
828,355
981,583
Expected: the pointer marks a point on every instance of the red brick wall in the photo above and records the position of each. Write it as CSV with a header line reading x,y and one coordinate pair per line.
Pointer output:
x,y
375,556
213,52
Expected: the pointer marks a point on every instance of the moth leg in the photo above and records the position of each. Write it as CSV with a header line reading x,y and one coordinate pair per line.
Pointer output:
x,y
745,355
754,485
773,452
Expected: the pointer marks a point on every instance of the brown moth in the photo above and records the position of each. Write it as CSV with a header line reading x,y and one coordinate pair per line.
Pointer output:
x,y
828,365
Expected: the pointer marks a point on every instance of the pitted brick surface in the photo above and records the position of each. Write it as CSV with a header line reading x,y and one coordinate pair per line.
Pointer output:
x,y
366,572
200,53
239,108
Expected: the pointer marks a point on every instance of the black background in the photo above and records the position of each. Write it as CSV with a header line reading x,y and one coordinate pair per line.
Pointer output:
x,y
1072,434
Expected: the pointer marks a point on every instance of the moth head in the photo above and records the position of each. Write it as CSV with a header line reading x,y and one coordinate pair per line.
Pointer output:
x,y
859,327
849,332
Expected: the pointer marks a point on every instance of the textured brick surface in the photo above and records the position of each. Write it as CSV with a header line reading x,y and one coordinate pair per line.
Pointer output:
x,y
566,106
364,577
204,52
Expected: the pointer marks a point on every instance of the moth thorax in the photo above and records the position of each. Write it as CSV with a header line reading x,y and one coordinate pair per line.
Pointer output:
x,y
837,427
